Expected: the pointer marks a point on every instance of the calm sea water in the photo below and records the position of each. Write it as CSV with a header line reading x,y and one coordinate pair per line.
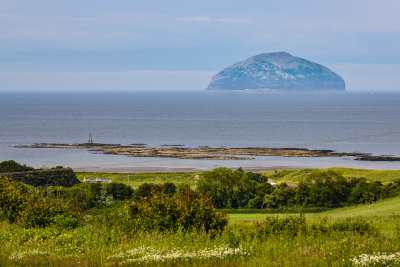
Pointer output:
x,y
341,121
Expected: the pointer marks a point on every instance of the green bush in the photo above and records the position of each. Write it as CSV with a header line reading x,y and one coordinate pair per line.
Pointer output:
x,y
65,221
355,225
274,226
12,200
292,226
29,209
41,212
119,191
184,210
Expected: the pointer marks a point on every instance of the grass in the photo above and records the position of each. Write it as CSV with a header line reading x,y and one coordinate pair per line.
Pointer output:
x,y
136,179
287,176
93,243
385,214
295,176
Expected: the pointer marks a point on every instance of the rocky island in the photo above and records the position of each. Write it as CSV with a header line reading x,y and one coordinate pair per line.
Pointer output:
x,y
208,153
277,71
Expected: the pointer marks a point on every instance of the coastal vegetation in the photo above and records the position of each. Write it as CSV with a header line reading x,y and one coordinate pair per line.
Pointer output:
x,y
166,223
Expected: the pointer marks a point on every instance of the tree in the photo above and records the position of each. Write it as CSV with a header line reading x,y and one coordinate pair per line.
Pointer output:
x,y
119,191
12,166
227,188
283,195
327,188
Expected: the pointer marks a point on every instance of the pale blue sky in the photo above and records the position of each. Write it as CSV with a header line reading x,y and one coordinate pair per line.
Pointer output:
x,y
156,45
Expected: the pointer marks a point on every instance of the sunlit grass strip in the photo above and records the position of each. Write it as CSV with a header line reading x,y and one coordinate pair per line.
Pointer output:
x,y
153,255
377,259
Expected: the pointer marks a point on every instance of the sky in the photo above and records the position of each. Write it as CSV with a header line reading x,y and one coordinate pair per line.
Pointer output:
x,y
123,45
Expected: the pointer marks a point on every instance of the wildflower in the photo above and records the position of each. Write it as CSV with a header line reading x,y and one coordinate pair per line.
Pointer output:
x,y
150,254
376,259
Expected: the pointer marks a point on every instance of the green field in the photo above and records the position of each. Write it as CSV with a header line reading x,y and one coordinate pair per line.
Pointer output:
x,y
99,241
385,214
95,244
287,176
136,179
294,176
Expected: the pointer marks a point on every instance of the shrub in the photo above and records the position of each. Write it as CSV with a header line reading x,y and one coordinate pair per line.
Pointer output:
x,y
28,209
119,191
146,190
184,210
274,226
41,212
355,225
12,200
65,221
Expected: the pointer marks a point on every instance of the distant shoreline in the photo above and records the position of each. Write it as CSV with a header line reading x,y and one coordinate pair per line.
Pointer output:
x,y
164,169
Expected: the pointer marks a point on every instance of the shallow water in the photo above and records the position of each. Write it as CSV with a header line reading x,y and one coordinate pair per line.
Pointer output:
x,y
341,121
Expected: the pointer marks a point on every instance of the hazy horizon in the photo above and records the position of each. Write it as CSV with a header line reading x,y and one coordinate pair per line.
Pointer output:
x,y
180,45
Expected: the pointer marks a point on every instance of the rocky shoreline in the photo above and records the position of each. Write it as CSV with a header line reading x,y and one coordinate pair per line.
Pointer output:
x,y
207,153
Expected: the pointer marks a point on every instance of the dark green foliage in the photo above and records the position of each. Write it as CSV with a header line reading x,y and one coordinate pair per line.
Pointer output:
x,y
65,221
28,209
264,189
292,226
227,188
237,189
283,195
274,226
12,166
169,188
42,212
148,189
184,210
256,203
85,196
257,177
57,176
365,192
119,191
354,225
327,189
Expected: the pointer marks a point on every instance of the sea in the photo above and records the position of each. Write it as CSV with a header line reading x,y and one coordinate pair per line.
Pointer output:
x,y
340,121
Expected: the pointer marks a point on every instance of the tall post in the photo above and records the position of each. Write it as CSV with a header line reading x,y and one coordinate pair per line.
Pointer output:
x,y
90,141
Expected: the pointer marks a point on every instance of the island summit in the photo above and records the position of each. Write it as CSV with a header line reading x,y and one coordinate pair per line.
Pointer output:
x,y
277,71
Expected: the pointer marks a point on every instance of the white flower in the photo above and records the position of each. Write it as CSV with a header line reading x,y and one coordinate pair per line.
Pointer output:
x,y
380,259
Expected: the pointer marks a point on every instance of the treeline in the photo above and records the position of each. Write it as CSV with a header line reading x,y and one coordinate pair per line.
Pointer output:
x,y
237,189
90,195
160,207
58,176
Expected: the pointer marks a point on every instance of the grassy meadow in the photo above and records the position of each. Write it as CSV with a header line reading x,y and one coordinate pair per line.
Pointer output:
x,y
294,176
136,179
287,176
96,243
99,241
